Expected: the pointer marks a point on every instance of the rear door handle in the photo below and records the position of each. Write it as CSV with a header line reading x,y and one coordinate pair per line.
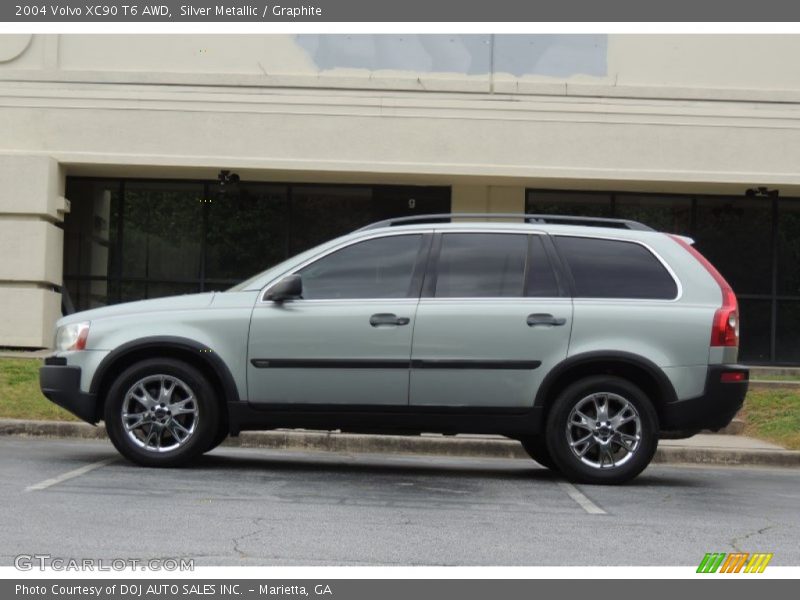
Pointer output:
x,y
379,319
544,319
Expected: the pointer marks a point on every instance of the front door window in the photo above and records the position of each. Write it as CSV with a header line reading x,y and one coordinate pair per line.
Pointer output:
x,y
378,268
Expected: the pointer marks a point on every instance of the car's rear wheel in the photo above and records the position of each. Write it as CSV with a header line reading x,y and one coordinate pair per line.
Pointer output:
x,y
536,447
161,413
602,430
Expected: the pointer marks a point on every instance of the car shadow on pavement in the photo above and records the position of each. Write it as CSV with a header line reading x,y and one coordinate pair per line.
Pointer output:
x,y
396,465
378,465
491,468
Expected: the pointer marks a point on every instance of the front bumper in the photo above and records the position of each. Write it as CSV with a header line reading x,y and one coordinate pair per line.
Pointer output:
x,y
61,384
714,409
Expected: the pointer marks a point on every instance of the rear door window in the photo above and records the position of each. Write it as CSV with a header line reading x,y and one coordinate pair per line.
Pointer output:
x,y
493,265
604,268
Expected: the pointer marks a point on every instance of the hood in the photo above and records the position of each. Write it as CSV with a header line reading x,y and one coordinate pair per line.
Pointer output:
x,y
188,301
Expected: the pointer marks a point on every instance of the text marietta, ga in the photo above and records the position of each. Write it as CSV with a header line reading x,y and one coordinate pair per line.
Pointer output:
x,y
189,10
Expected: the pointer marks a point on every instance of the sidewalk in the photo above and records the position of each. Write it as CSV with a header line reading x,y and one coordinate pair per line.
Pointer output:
x,y
707,449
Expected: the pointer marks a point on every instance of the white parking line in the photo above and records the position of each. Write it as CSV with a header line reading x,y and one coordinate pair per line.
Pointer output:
x,y
584,502
68,475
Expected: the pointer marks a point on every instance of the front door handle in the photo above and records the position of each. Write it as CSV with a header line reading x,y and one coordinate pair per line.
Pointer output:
x,y
544,319
379,319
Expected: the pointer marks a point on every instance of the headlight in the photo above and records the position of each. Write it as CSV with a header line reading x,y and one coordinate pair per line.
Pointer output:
x,y
72,337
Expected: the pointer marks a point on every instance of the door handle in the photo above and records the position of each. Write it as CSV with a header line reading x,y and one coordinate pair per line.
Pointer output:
x,y
544,319
379,319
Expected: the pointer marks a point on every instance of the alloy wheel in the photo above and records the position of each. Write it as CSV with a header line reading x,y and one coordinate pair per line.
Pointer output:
x,y
604,430
160,413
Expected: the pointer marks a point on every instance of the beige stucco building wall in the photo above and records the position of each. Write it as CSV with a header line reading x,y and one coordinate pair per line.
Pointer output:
x,y
487,115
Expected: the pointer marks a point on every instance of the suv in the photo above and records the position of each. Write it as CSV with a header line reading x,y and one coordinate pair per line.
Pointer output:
x,y
584,339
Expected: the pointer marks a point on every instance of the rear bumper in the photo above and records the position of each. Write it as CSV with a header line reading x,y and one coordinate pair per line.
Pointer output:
x,y
61,384
714,409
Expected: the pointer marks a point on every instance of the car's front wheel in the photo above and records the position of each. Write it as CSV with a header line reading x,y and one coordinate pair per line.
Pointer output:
x,y
603,430
220,436
161,413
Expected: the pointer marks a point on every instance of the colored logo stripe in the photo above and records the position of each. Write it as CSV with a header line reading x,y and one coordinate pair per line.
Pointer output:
x,y
758,563
711,562
734,562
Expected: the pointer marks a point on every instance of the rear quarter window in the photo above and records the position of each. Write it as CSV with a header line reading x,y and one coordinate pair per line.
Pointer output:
x,y
603,268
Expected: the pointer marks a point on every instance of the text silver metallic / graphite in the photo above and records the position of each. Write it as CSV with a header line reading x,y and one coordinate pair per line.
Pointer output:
x,y
264,12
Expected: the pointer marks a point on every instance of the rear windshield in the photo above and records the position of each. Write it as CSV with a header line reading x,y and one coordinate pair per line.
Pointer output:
x,y
615,269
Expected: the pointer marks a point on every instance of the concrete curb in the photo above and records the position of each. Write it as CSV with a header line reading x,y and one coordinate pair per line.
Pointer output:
x,y
467,446
53,429
727,456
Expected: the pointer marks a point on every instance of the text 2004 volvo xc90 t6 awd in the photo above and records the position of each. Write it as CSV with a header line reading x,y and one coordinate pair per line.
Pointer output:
x,y
585,339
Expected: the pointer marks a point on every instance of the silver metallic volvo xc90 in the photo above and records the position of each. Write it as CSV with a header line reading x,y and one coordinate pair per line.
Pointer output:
x,y
585,339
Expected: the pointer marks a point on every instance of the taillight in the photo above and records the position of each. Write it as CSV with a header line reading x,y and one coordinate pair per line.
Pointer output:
x,y
725,331
725,327
733,377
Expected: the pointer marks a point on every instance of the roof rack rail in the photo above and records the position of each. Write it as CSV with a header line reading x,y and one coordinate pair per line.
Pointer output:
x,y
526,217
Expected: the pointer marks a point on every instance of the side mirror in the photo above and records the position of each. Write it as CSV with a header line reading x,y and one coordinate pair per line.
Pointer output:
x,y
288,288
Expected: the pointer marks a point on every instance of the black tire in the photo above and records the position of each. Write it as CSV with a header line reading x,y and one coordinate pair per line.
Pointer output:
x,y
536,447
219,437
593,468
205,414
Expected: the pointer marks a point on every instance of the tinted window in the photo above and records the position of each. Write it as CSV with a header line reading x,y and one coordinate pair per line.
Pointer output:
x,y
541,279
613,269
481,265
378,268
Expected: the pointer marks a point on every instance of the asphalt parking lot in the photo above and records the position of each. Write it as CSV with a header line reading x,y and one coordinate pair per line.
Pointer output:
x,y
237,506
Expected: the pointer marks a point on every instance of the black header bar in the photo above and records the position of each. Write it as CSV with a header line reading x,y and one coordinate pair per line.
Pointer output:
x,y
439,11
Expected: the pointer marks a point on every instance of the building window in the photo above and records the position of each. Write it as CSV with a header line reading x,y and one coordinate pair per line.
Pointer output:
x,y
244,232
662,212
88,234
721,226
754,242
579,204
132,239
